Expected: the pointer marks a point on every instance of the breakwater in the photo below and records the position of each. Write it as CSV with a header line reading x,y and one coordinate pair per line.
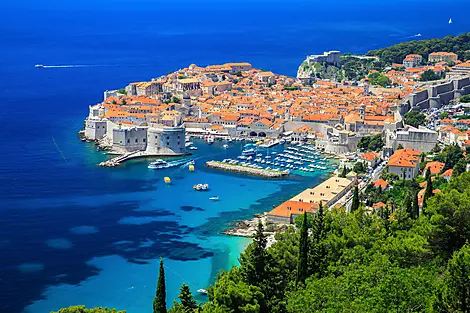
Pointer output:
x,y
246,170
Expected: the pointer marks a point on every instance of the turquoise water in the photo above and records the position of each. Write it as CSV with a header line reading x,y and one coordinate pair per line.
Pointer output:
x,y
120,229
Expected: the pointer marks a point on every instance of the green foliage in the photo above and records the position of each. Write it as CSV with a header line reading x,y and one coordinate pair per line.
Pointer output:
x,y
122,91
187,303
83,309
444,115
355,200
414,118
465,99
302,273
430,75
231,294
159,302
460,167
355,69
379,79
371,143
359,167
456,291
396,53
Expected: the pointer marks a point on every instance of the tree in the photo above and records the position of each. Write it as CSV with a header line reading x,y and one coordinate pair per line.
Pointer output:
x,y
254,261
159,302
414,118
449,215
415,211
443,115
355,200
429,189
359,167
460,167
430,75
83,309
457,284
302,271
187,303
436,148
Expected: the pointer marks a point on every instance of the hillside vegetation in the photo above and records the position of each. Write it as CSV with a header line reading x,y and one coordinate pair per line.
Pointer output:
x,y
396,53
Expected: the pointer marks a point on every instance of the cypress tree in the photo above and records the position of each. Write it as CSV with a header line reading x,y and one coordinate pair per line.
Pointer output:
x,y
355,201
319,223
408,204
186,298
428,191
415,206
159,302
255,259
303,252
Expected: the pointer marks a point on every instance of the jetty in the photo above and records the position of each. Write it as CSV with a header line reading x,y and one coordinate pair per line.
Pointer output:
x,y
118,160
246,170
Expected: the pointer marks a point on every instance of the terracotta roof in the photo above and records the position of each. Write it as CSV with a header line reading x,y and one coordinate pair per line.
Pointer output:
x,y
294,207
435,167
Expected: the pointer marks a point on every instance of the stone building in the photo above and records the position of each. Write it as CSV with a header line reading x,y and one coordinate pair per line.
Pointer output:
x,y
166,141
332,57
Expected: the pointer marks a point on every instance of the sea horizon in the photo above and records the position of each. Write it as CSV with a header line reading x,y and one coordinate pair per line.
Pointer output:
x,y
74,233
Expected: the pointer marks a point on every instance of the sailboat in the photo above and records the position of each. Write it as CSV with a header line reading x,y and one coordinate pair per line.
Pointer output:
x,y
450,21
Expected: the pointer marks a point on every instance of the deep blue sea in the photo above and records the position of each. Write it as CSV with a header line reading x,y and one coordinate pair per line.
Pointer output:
x,y
74,233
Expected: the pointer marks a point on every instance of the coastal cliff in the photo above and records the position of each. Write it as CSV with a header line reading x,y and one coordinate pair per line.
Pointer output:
x,y
318,70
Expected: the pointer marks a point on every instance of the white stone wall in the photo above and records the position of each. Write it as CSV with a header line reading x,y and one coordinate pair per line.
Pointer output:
x,y
95,128
166,141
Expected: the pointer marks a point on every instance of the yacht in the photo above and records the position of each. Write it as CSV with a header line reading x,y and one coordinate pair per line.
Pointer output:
x,y
158,164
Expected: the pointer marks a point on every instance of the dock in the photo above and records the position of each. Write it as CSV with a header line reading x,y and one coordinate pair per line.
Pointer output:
x,y
246,170
118,160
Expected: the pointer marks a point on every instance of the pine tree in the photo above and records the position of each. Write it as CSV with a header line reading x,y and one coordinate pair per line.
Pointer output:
x,y
355,201
415,206
159,302
187,300
428,191
302,271
457,285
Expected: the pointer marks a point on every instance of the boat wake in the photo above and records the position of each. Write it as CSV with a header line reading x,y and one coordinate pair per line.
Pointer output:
x,y
72,65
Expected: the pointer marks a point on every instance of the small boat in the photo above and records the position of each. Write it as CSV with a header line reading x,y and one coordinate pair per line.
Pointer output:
x,y
216,198
39,66
202,291
167,180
